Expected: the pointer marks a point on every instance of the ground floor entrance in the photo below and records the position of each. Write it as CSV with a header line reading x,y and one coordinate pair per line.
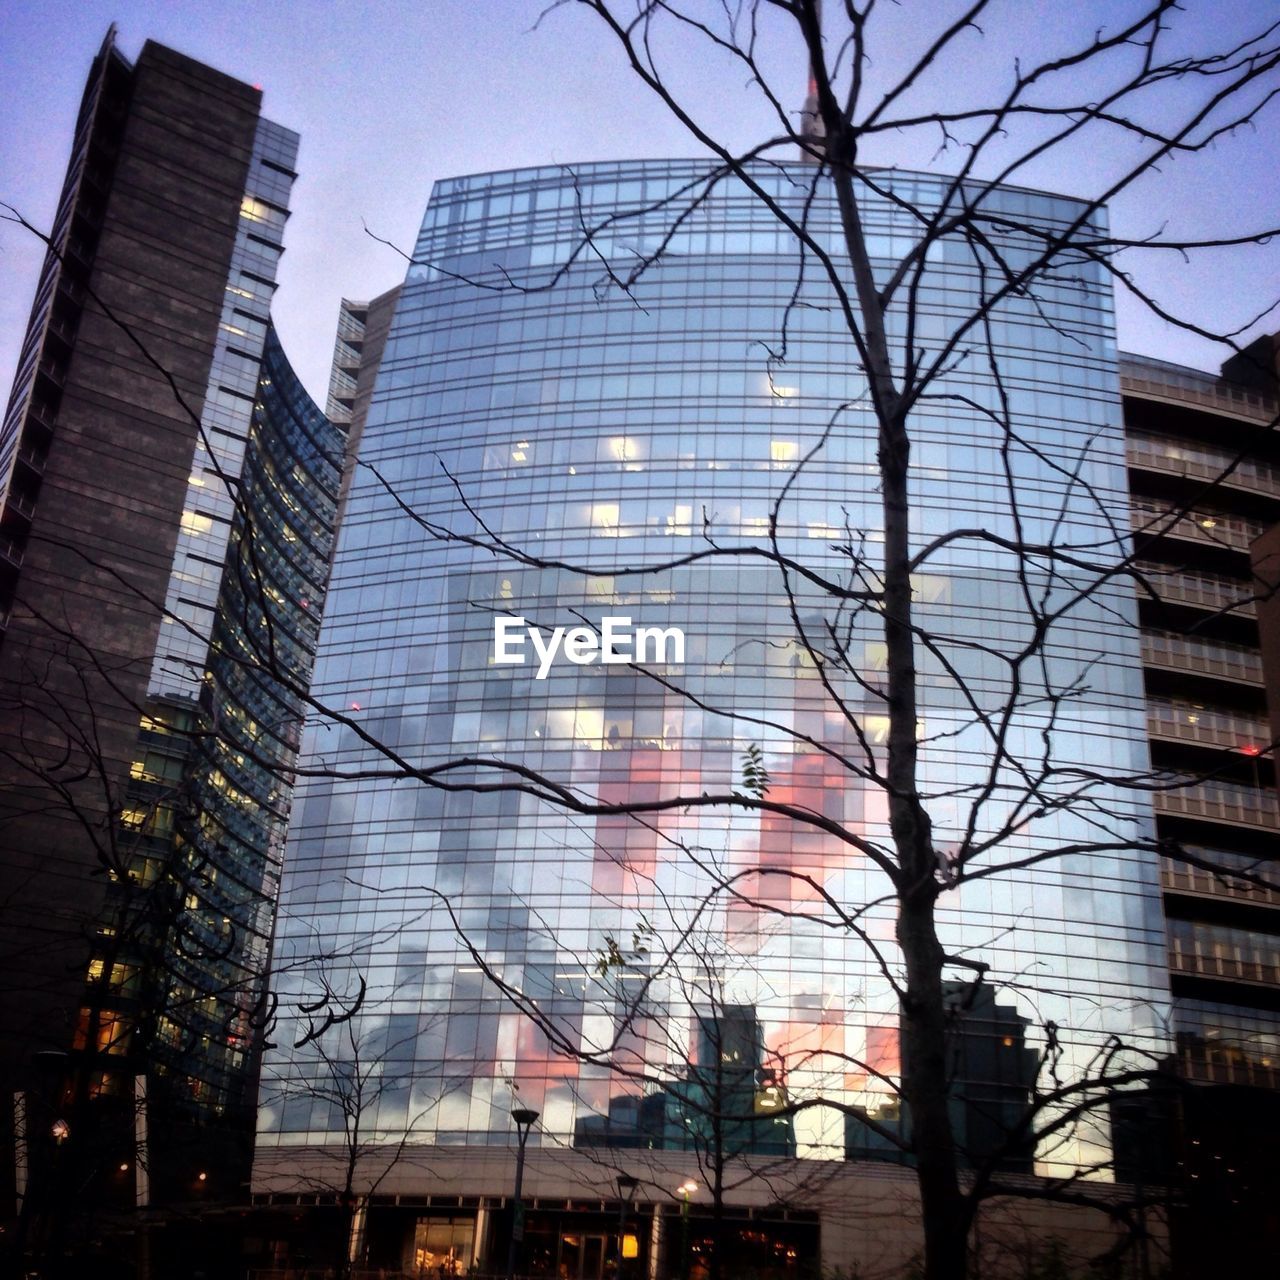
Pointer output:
x,y
582,1257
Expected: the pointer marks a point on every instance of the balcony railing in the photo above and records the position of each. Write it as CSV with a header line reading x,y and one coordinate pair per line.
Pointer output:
x,y
53,371
1140,376
1223,1064
23,505
11,552
33,458
1209,590
1223,962
1206,657
1221,802
1152,519
1190,722
1180,877
62,329
1201,462
40,414
73,289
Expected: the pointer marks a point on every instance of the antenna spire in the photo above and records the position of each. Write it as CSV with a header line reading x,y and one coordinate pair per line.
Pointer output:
x,y
812,133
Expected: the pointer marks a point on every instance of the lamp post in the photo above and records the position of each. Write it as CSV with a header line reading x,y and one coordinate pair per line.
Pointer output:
x,y
627,1185
524,1119
688,1188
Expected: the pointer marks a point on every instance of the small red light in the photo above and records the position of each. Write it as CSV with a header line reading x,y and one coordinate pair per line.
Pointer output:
x,y
1251,750
355,706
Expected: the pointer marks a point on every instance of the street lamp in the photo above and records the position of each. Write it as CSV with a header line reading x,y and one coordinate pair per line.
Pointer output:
x,y
687,1188
627,1185
524,1119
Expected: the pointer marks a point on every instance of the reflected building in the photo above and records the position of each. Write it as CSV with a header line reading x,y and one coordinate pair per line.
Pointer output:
x,y
533,438
992,1073
728,1105
237,739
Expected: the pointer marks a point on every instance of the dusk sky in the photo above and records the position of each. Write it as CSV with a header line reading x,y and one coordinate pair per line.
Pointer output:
x,y
390,97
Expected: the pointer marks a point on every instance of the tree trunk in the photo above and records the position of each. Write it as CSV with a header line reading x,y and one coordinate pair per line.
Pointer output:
x,y
924,1088
715,1264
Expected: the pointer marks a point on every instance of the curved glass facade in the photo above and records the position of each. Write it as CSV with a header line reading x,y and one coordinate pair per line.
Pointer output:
x,y
243,744
598,432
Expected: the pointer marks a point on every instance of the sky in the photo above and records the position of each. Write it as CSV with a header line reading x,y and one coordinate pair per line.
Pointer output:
x,y
390,97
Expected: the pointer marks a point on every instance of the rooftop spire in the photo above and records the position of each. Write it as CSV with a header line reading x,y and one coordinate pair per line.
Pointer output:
x,y
812,133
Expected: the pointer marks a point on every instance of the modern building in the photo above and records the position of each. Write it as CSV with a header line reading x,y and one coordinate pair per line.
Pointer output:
x,y
1200,448
1205,481
535,439
1205,474
169,497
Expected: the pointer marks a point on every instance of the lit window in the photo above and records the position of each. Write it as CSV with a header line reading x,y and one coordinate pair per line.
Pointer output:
x,y
623,449
255,210
195,524
680,522
784,450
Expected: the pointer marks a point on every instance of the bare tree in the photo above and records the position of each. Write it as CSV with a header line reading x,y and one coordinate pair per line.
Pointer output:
x,y
1014,700
150,971
1033,799
354,1076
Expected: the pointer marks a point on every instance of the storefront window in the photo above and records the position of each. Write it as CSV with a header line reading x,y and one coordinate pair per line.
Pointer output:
x,y
442,1247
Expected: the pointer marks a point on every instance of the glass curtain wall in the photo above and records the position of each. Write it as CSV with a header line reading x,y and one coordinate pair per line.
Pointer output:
x,y
536,435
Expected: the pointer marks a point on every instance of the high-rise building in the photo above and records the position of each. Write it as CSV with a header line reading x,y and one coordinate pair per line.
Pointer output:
x,y
169,497
1205,476
535,439
1206,485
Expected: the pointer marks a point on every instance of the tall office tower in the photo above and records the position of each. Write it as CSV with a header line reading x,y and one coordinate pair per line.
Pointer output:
x,y
595,433
1209,692
169,495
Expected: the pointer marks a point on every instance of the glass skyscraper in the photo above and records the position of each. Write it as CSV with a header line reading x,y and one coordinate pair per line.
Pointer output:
x,y
236,740
539,437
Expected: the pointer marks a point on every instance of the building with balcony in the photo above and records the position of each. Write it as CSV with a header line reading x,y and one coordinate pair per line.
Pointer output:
x,y
1204,468
168,495
540,422
1205,473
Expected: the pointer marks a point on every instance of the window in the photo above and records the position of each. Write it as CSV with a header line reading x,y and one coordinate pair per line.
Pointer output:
x,y
442,1246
